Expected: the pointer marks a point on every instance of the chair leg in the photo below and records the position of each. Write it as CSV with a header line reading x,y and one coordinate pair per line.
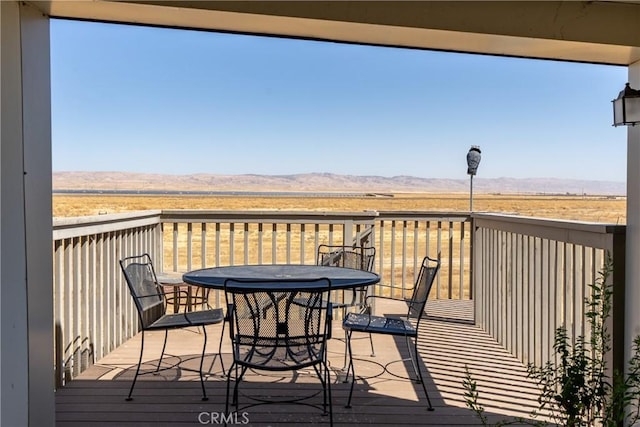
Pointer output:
x,y
373,352
367,310
419,371
135,377
226,405
350,369
239,378
213,361
322,371
234,402
413,360
204,347
344,362
164,346
220,348
322,376
328,381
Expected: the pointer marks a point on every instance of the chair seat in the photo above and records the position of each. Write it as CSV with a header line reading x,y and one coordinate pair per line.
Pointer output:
x,y
193,318
378,324
272,358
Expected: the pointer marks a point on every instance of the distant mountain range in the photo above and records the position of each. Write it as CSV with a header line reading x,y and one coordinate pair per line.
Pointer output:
x,y
326,182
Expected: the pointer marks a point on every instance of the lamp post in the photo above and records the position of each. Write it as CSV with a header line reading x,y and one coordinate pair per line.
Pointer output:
x,y
473,160
626,107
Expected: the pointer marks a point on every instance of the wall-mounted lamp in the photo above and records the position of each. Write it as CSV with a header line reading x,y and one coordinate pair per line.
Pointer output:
x,y
473,161
626,107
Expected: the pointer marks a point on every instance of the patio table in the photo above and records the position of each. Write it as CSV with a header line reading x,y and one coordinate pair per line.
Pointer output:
x,y
340,277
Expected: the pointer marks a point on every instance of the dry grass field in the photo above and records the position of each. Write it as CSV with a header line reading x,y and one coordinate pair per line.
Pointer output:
x,y
591,209
227,246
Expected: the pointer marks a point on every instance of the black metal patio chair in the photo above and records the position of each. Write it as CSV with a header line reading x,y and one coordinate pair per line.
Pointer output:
x,y
407,326
358,257
271,332
151,302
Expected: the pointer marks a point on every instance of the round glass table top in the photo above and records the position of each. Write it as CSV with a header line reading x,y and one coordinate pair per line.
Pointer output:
x,y
341,278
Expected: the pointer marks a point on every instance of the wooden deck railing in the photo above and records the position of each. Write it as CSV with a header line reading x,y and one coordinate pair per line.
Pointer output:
x,y
93,311
532,275
198,239
404,238
529,275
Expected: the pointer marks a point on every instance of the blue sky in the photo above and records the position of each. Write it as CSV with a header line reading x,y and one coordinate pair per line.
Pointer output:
x,y
143,99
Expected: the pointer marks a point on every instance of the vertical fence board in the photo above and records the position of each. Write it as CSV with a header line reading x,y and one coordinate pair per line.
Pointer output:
x,y
403,252
274,243
303,236
203,245
288,244
461,265
260,242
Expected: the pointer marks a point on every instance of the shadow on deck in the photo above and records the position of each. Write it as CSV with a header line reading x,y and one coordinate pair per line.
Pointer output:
x,y
449,341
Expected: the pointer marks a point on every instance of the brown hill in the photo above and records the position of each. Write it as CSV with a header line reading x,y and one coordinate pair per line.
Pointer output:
x,y
123,181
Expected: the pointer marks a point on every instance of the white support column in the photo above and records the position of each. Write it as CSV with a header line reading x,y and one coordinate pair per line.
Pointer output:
x,y
26,297
13,296
632,282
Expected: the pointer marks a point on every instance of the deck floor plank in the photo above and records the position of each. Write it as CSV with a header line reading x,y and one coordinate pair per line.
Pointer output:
x,y
449,342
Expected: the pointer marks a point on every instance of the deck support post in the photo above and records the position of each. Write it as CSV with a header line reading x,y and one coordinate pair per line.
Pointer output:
x,y
25,213
632,281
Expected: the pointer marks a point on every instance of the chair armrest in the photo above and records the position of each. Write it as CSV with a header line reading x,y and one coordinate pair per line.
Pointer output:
x,y
394,287
367,308
391,289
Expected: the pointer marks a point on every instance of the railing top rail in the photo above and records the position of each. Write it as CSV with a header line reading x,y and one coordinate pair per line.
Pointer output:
x,y
425,215
266,216
596,235
595,227
64,228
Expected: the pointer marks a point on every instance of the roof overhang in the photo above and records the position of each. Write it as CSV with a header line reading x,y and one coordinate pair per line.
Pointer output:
x,y
597,32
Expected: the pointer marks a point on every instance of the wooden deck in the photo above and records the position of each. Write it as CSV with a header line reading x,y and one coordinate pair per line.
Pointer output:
x,y
449,341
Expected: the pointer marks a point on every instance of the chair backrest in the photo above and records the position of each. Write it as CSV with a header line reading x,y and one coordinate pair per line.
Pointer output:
x,y
146,292
282,324
422,288
358,257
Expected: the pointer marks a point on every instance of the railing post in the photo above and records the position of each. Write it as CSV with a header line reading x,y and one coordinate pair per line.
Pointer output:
x,y
347,232
158,248
616,321
473,235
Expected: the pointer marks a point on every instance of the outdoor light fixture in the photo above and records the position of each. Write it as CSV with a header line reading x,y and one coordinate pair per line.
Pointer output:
x,y
626,107
473,160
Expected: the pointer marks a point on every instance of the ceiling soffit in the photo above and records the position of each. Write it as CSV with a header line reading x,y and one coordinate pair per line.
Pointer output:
x,y
599,32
